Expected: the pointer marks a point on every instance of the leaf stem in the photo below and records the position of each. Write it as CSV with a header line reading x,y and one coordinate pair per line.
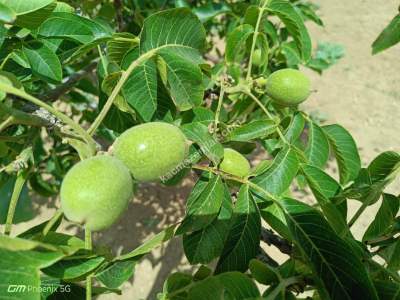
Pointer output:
x,y
19,183
255,35
358,213
102,59
7,123
125,74
88,246
12,90
52,221
265,110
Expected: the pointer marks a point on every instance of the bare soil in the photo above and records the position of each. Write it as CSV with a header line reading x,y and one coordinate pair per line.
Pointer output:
x,y
361,92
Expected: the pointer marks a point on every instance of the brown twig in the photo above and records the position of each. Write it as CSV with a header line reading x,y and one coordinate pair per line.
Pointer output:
x,y
265,258
269,237
118,14
63,88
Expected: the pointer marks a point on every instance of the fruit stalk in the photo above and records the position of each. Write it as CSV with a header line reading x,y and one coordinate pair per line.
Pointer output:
x,y
255,35
19,183
265,110
88,246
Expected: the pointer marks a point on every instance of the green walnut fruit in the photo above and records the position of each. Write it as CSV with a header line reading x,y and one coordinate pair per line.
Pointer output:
x,y
234,163
3,149
151,150
257,57
96,191
288,87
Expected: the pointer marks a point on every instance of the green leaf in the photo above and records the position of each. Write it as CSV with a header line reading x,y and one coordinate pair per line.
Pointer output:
x,y
198,133
117,273
175,285
119,45
72,26
140,90
274,216
22,7
33,19
236,42
345,150
230,285
391,254
292,54
244,238
44,62
339,268
370,183
308,12
20,261
183,79
253,130
263,273
294,24
278,177
324,189
73,268
204,245
389,37
317,150
387,290
295,128
172,28
157,240
203,208
384,218
384,167
7,14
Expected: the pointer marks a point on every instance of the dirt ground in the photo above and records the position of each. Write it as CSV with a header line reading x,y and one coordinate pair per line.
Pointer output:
x,y
361,92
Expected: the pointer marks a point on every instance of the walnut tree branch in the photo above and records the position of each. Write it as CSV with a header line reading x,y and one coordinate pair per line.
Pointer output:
x,y
269,237
63,88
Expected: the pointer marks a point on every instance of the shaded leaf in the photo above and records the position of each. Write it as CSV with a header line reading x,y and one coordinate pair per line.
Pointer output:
x,y
205,245
339,268
324,189
244,238
384,218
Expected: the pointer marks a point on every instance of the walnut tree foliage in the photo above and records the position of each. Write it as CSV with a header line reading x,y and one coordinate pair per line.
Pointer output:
x,y
75,75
